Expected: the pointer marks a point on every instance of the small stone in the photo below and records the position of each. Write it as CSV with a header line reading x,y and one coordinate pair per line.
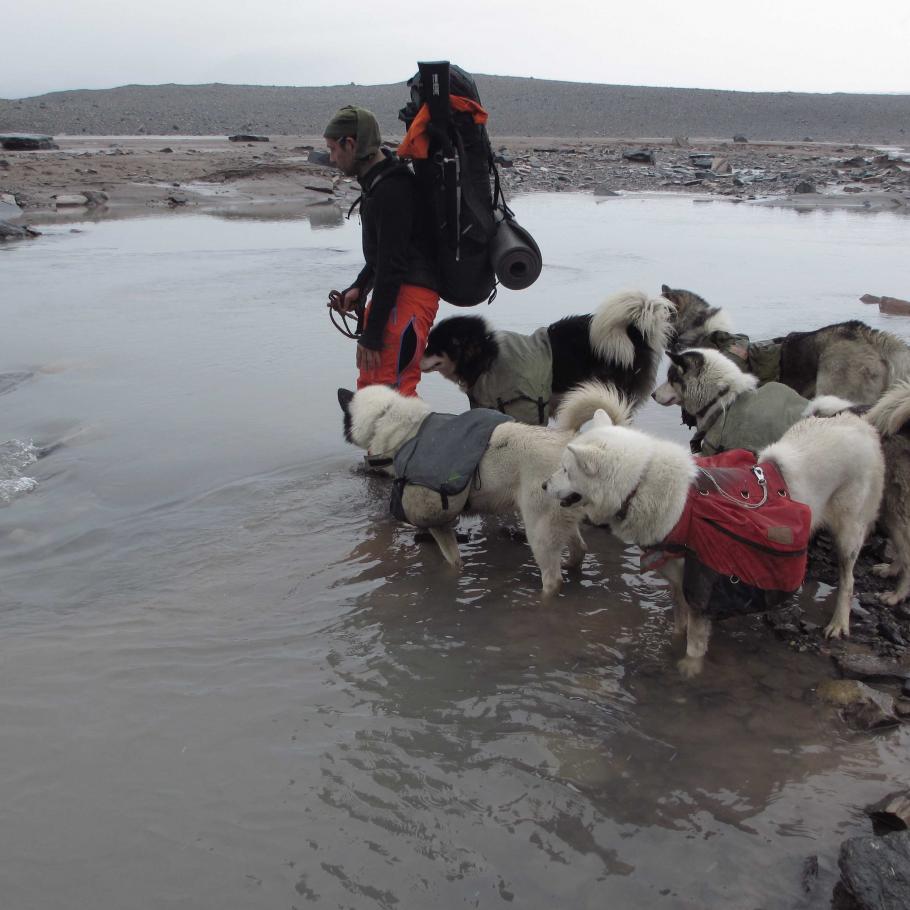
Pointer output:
x,y
67,199
248,137
740,138
853,189
603,190
804,186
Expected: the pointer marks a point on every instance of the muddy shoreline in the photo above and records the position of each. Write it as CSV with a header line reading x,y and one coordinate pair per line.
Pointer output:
x,y
122,176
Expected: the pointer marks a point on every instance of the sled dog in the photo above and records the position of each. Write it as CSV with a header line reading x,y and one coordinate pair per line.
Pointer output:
x,y
848,359
639,486
509,475
891,417
728,407
524,375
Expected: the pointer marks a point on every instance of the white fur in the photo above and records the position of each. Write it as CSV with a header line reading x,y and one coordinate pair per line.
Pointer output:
x,y
835,466
511,474
652,316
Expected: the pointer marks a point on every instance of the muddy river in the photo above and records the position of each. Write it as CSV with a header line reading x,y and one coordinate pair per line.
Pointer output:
x,y
229,679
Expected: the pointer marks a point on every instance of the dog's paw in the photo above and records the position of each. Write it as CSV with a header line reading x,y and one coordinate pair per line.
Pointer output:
x,y
836,629
891,598
690,667
885,570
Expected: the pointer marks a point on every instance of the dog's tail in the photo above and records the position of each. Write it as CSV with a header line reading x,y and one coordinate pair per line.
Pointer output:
x,y
651,316
580,404
892,411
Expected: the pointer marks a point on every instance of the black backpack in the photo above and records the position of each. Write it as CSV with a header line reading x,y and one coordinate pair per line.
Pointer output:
x,y
459,184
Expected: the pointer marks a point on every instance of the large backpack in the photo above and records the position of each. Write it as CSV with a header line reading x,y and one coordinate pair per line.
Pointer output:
x,y
475,235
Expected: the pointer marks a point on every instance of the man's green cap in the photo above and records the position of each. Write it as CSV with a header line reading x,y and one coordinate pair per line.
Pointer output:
x,y
359,123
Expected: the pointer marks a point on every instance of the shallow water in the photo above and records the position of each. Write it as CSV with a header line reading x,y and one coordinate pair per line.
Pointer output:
x,y
228,679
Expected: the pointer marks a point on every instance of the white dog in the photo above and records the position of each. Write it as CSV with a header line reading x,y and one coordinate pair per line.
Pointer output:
x,y
639,485
509,476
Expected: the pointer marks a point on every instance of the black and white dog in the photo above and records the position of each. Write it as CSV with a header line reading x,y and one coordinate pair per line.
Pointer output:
x,y
621,343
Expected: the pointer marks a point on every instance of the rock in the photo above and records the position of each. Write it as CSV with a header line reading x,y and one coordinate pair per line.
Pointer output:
x,y
809,874
640,156
863,707
875,873
534,161
167,150
804,186
902,708
66,199
808,139
701,160
740,138
248,137
4,164
868,666
721,165
870,298
891,813
27,142
603,190
503,161
853,189
895,306
319,156
176,199
15,232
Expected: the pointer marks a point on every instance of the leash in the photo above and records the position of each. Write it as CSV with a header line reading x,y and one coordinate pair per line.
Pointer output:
x,y
347,319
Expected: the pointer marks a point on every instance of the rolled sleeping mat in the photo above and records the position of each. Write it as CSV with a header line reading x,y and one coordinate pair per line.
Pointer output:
x,y
514,255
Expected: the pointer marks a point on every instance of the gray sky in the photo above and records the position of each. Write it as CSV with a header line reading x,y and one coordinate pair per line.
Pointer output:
x,y
800,45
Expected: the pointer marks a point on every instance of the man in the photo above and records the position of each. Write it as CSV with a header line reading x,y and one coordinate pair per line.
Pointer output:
x,y
398,268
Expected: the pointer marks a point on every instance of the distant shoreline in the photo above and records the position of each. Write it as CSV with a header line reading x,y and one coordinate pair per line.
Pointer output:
x,y
518,107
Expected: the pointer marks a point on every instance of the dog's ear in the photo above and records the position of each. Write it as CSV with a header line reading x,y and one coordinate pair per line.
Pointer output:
x,y
344,399
585,458
601,418
692,360
677,359
666,292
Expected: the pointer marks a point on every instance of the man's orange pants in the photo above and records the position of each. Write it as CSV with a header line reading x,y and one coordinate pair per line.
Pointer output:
x,y
403,340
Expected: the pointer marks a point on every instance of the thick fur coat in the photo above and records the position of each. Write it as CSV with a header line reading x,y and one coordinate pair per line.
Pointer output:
x,y
848,359
510,475
638,486
621,343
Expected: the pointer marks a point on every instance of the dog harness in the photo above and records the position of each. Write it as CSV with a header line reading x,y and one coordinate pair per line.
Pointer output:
x,y
743,539
520,381
755,419
444,454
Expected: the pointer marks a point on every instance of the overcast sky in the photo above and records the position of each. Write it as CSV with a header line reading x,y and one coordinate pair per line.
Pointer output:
x,y
800,45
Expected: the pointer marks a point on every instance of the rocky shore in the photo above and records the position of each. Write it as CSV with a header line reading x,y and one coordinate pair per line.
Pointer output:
x,y
283,176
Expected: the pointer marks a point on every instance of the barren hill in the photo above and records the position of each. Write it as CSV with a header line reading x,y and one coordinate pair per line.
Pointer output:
x,y
517,106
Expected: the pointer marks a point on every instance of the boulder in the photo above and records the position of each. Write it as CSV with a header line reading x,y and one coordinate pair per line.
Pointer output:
x,y
868,666
319,156
69,199
740,138
862,707
870,298
875,873
27,142
804,186
720,165
247,137
15,232
639,156
895,306
701,160
891,813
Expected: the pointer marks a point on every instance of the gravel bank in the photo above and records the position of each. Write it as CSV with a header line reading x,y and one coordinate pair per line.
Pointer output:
x,y
518,107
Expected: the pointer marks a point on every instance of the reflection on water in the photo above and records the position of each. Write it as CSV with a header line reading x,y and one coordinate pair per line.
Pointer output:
x,y
228,678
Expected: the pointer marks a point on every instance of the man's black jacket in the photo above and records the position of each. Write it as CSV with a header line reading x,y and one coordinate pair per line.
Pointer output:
x,y
396,243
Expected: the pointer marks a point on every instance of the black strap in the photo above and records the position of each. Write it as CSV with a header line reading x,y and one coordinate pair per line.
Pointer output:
x,y
541,406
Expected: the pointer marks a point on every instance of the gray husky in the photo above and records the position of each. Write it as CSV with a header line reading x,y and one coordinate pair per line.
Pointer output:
x,y
848,359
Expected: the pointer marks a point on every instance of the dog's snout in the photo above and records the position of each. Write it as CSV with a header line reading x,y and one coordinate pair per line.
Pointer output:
x,y
543,486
